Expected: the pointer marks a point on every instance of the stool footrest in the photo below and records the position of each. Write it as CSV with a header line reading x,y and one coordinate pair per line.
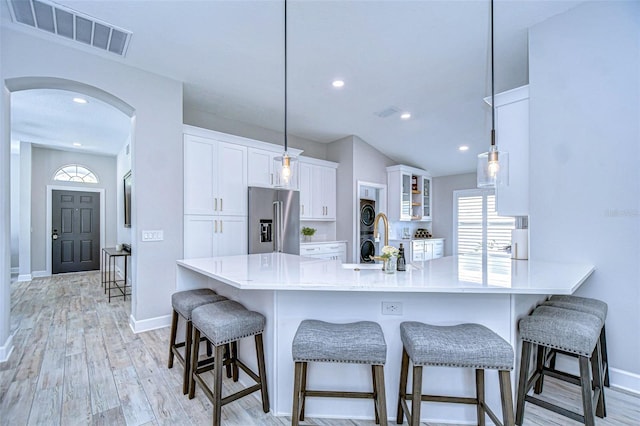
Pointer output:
x,y
549,406
338,394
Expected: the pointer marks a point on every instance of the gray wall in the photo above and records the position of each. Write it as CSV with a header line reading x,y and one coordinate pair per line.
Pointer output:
x,y
214,122
584,154
15,210
156,145
45,162
443,187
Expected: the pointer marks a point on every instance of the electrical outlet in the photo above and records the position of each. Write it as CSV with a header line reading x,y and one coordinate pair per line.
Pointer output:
x,y
391,308
155,235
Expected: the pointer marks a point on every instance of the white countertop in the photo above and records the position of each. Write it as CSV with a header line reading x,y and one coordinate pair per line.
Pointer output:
x,y
465,274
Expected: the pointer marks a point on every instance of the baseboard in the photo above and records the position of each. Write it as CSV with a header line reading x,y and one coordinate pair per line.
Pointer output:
x,y
6,349
24,277
619,379
149,324
40,274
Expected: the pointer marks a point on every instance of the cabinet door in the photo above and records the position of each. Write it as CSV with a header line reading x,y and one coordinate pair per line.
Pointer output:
x,y
428,250
438,249
260,167
327,177
317,197
426,198
231,179
306,171
232,235
405,196
199,175
199,236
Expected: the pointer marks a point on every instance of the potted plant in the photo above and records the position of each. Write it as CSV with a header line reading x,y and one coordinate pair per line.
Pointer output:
x,y
307,232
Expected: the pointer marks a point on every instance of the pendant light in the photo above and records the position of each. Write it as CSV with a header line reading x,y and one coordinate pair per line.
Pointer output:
x,y
286,164
493,166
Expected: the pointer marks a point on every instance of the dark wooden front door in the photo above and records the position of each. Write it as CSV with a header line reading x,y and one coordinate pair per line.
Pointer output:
x,y
75,231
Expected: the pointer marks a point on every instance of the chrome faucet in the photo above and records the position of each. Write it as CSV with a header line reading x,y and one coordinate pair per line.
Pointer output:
x,y
385,221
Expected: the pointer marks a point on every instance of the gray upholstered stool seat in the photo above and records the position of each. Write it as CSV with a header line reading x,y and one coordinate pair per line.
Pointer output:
x,y
464,346
591,306
183,303
569,331
225,323
359,342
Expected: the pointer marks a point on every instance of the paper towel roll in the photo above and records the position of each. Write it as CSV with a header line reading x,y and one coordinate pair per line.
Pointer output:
x,y
520,244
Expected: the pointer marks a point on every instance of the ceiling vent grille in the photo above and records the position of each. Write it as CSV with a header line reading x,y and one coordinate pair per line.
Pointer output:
x,y
56,19
387,112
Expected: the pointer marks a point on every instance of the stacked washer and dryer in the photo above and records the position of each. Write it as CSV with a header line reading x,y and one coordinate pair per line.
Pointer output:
x,y
367,239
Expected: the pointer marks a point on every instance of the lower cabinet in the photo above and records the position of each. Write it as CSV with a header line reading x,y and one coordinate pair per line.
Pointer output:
x,y
426,249
208,236
330,250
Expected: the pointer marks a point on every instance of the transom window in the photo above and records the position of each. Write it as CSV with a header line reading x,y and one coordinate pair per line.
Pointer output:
x,y
75,173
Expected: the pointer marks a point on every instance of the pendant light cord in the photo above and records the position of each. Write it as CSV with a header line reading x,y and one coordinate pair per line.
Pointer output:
x,y
493,107
285,76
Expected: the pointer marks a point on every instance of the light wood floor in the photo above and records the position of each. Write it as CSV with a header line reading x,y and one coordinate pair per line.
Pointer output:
x,y
76,362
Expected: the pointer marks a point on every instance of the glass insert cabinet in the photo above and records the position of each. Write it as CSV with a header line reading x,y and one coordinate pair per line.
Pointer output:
x,y
409,196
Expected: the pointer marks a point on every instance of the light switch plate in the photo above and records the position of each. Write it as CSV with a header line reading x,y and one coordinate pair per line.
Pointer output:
x,y
153,235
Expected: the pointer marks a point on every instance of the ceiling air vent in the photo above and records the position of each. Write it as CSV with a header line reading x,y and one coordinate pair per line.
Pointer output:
x,y
387,112
56,19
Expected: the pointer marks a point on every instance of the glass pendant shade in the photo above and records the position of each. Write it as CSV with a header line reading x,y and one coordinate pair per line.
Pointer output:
x,y
286,171
493,168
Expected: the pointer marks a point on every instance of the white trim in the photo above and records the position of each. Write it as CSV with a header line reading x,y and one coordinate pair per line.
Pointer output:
x,y
382,207
6,349
40,274
14,270
624,380
50,189
25,277
149,324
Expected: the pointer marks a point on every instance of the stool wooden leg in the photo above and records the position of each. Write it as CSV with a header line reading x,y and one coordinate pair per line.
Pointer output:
x,y
480,396
227,356
297,379
416,396
303,390
375,395
194,363
505,395
597,374
217,385
262,372
540,361
381,400
187,357
172,338
404,372
522,381
604,356
234,358
585,384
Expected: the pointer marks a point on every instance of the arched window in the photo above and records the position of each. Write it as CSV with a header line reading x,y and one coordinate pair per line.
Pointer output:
x,y
75,173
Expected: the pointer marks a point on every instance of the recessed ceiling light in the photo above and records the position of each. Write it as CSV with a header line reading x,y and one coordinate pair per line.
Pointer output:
x,y
80,100
337,83
405,115
77,144
463,148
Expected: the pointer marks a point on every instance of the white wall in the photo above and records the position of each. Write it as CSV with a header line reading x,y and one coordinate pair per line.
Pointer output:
x,y
584,154
15,210
442,202
45,162
156,153
123,166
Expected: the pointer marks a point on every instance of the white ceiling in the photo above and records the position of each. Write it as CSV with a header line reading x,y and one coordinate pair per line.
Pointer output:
x,y
427,57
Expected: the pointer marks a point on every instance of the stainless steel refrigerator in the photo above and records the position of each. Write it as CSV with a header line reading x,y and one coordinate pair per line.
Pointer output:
x,y
274,220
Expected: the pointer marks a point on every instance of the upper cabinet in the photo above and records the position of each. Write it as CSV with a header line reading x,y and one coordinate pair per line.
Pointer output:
x,y
214,177
512,136
409,192
260,170
317,189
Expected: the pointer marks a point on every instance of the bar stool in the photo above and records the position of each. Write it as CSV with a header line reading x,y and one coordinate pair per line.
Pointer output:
x,y
568,331
183,303
591,306
356,343
462,346
223,323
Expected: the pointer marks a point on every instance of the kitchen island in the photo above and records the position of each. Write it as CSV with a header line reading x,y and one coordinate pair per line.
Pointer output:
x,y
287,289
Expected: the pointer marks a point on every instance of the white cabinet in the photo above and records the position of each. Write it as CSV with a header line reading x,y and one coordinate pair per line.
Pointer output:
x,y
260,168
409,192
331,250
426,249
512,136
317,190
207,236
215,180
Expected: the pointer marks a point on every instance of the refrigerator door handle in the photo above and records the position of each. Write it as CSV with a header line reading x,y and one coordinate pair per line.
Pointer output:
x,y
277,216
